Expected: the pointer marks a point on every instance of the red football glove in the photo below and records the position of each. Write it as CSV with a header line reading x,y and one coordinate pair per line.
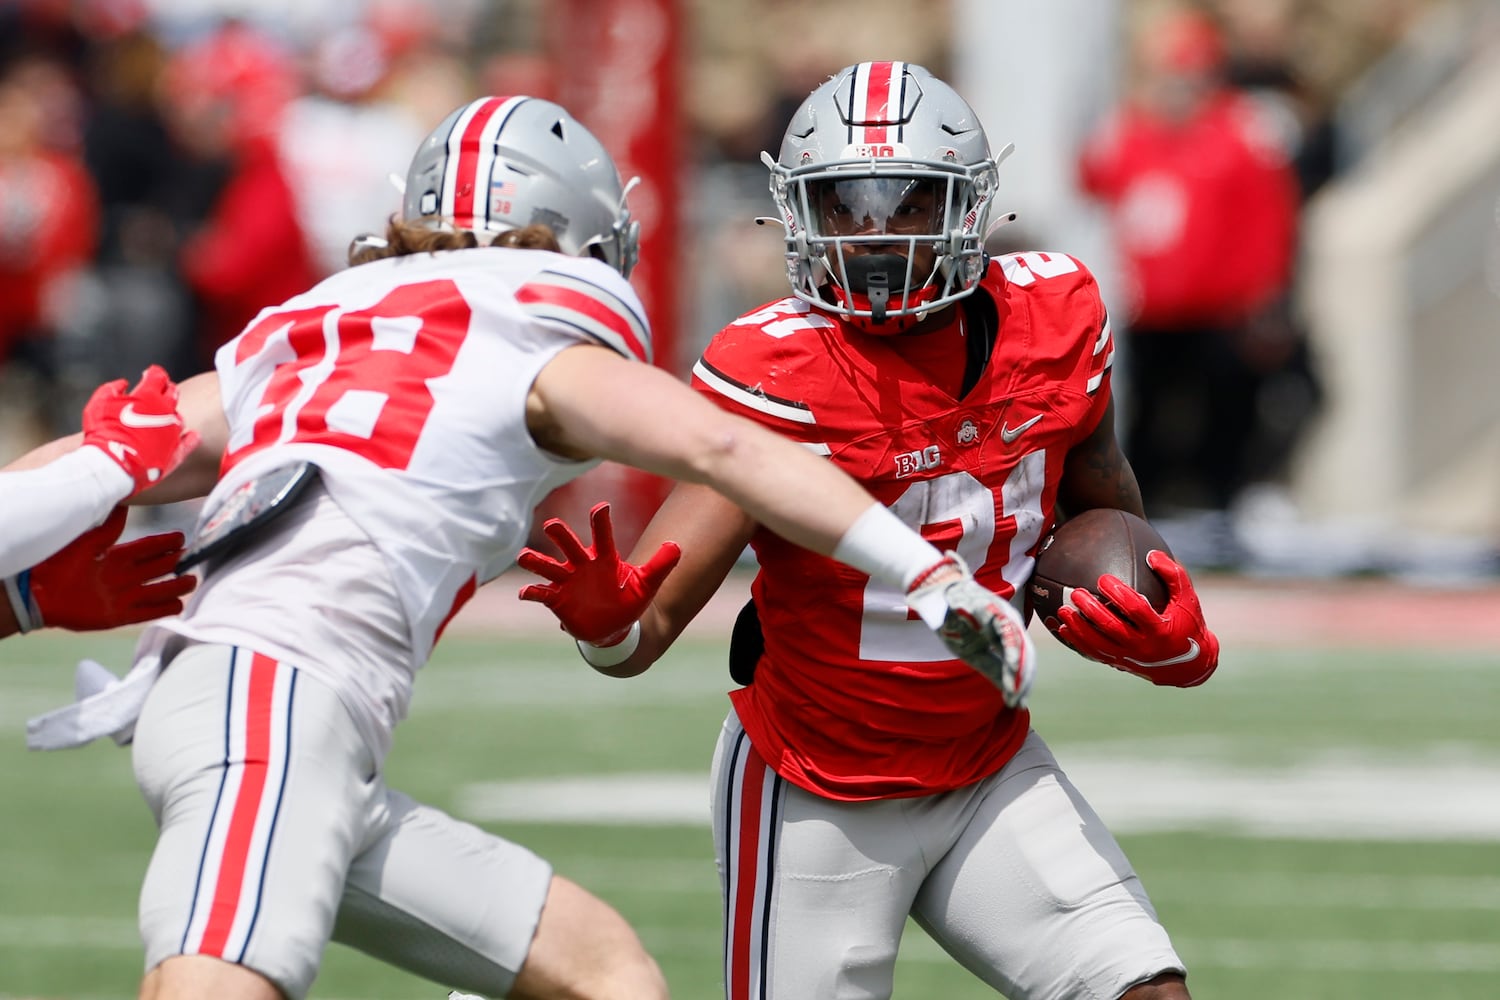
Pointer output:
x,y
594,593
140,429
95,584
1173,647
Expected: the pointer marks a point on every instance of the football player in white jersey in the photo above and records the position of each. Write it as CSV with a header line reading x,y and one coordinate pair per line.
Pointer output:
x,y
864,776
374,449
55,576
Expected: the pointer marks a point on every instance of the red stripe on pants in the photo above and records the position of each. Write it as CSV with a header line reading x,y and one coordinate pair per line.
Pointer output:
x,y
247,803
746,875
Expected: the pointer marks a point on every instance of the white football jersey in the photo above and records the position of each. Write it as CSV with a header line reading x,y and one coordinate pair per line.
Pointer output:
x,y
405,381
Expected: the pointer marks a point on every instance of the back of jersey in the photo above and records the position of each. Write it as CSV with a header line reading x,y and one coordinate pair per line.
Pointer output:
x,y
405,381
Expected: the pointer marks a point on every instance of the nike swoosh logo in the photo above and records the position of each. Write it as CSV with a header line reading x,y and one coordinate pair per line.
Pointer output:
x,y
1009,434
130,418
1189,656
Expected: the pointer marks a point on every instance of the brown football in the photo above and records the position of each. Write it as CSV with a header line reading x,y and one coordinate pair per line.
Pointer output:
x,y
1084,548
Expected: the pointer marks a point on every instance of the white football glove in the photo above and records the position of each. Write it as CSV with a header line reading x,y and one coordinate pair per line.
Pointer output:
x,y
977,625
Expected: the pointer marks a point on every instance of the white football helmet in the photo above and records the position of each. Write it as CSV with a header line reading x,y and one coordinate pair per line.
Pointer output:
x,y
502,163
884,185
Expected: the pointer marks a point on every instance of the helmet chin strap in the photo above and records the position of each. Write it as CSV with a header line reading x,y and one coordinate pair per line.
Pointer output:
x,y
878,288
873,275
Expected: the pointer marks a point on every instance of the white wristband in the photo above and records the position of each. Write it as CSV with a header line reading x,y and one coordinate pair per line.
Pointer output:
x,y
112,479
608,656
881,544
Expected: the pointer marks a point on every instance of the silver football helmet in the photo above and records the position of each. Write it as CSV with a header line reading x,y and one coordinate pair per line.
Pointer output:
x,y
884,185
502,163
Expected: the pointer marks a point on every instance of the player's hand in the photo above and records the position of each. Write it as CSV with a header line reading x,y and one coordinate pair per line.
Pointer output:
x,y
1172,647
595,594
980,627
140,429
95,584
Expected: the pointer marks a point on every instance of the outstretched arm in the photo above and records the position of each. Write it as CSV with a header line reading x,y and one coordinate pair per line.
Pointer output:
x,y
49,506
588,401
593,403
59,565
198,403
130,441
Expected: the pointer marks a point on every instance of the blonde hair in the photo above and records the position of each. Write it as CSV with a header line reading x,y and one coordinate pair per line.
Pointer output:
x,y
403,238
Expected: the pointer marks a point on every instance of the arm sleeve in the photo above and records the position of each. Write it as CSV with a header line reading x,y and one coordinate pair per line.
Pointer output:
x,y
46,508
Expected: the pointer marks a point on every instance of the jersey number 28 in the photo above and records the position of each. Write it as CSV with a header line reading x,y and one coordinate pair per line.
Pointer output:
x,y
353,379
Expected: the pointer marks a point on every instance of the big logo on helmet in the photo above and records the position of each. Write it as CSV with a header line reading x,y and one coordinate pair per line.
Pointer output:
x,y
876,150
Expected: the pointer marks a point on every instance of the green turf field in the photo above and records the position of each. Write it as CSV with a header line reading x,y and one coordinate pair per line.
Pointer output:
x,y
1310,825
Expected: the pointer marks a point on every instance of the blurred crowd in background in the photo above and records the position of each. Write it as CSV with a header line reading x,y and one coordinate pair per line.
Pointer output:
x,y
167,168
166,172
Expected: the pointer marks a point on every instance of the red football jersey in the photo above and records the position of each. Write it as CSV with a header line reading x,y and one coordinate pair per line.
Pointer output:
x,y
855,697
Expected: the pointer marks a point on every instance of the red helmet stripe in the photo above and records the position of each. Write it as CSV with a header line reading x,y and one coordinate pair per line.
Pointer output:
x,y
471,158
878,99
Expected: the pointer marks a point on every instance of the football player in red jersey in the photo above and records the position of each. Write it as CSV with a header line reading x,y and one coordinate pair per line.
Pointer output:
x,y
864,776
375,448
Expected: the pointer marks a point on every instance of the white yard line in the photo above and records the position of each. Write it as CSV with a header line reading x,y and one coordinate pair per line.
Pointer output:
x,y
1336,797
656,799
